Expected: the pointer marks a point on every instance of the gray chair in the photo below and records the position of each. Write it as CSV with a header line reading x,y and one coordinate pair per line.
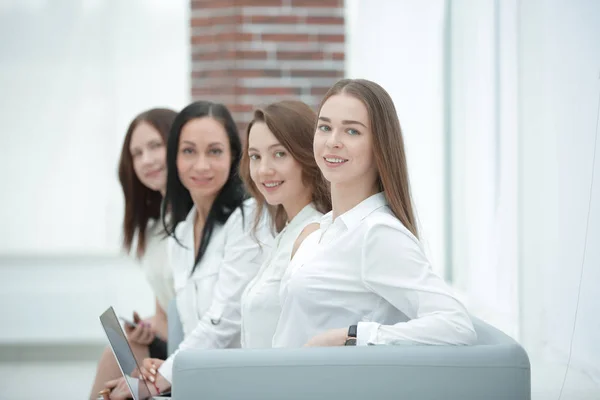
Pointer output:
x,y
496,367
175,330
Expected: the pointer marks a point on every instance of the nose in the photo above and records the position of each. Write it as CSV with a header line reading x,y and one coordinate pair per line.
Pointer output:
x,y
264,168
334,140
146,158
202,163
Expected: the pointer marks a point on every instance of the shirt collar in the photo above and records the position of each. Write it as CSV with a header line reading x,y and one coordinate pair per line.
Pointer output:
x,y
305,213
354,216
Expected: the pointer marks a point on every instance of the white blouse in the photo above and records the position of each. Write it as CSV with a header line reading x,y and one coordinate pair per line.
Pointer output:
x,y
260,301
156,266
366,268
208,300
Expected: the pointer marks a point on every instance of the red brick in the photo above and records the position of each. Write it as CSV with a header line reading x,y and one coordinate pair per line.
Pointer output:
x,y
250,55
241,107
319,91
203,4
318,3
331,38
259,3
286,37
221,37
208,21
273,19
325,73
338,56
272,91
325,20
300,55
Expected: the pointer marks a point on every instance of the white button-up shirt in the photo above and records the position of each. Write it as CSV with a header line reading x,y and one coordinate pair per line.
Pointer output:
x,y
366,268
208,300
260,301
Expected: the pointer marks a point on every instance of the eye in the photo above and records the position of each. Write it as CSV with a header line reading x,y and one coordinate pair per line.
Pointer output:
x,y
254,157
279,154
155,145
136,154
187,150
324,128
352,131
215,152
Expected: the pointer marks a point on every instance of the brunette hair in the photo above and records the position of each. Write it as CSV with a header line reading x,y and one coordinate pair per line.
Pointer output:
x,y
293,125
388,145
141,202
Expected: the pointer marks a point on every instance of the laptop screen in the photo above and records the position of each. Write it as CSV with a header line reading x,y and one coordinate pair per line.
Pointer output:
x,y
124,354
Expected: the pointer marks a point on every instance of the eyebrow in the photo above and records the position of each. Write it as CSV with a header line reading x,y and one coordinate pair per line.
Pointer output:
x,y
194,144
268,148
344,122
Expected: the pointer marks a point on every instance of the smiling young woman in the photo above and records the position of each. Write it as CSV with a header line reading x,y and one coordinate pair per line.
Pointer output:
x,y
364,272
280,171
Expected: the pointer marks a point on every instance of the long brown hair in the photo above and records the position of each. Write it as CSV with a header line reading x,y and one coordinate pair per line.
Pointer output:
x,y
388,145
293,125
141,203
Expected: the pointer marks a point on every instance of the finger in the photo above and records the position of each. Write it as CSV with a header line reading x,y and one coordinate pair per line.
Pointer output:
x,y
111,384
136,317
105,394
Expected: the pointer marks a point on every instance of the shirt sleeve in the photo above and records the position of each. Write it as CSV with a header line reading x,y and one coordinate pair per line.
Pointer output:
x,y
220,325
394,266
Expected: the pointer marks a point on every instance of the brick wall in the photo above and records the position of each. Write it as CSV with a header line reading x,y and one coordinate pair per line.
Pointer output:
x,y
248,53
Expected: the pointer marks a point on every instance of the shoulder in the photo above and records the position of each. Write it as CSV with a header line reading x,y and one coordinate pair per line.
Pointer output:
x,y
382,228
308,229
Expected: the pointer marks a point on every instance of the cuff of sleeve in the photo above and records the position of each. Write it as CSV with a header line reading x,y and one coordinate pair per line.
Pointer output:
x,y
166,369
366,333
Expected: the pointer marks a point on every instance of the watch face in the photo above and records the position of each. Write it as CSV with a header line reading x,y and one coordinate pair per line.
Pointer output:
x,y
350,342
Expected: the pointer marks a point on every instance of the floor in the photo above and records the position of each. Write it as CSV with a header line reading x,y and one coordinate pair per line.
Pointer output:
x,y
24,380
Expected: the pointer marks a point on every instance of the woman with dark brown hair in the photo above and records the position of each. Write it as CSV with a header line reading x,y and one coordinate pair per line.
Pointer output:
x,y
143,177
363,278
279,170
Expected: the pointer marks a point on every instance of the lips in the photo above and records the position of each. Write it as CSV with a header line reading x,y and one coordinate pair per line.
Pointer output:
x,y
201,180
334,161
271,186
155,173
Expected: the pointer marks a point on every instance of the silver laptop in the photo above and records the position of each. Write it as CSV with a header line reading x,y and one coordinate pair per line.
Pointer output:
x,y
125,358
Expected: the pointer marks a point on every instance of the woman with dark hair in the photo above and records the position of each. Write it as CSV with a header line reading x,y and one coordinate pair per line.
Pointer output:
x,y
143,177
280,171
212,251
364,277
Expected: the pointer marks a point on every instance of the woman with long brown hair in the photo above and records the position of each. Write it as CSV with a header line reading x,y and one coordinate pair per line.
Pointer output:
x,y
143,178
279,170
363,278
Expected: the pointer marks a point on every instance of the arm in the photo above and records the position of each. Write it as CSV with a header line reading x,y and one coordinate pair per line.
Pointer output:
x,y
221,323
160,322
394,266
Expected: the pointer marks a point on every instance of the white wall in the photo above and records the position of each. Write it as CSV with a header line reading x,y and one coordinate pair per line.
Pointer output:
x,y
408,62
482,73
560,93
72,76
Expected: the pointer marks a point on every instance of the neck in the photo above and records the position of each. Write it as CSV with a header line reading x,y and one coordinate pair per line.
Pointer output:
x,y
345,197
296,205
203,206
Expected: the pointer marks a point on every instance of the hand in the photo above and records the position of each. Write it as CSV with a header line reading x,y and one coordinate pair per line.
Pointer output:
x,y
118,390
332,337
142,333
150,373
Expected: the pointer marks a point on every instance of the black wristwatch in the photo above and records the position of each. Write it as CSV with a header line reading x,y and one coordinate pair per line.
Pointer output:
x,y
351,339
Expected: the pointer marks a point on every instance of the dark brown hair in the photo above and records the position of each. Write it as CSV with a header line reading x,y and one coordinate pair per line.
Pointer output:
x,y
388,145
293,125
141,203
